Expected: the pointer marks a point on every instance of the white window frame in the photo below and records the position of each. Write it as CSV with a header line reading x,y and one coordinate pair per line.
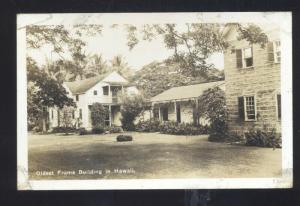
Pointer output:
x,y
243,57
245,109
275,50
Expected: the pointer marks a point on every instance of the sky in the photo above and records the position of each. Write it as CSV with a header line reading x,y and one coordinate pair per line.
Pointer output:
x,y
110,43
113,42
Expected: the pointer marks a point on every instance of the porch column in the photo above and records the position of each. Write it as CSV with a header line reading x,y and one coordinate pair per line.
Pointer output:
x,y
197,116
109,94
109,109
159,112
175,108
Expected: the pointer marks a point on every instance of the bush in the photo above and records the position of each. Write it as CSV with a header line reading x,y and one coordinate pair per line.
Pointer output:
x,y
63,130
263,139
115,129
98,130
98,114
148,126
132,106
123,138
172,127
82,131
218,131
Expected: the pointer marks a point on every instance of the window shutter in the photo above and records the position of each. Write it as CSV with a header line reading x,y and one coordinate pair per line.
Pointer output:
x,y
279,105
270,48
241,108
239,58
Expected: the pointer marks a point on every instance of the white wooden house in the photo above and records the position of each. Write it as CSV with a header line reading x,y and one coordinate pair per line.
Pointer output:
x,y
102,89
178,103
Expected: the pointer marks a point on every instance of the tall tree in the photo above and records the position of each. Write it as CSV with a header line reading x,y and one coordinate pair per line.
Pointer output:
x,y
96,65
44,92
193,43
119,64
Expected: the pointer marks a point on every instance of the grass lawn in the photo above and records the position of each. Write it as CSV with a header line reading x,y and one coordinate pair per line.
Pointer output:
x,y
150,155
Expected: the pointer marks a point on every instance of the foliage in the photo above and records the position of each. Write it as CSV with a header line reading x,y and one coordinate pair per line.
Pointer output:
x,y
43,91
193,44
191,47
253,34
67,117
263,139
98,130
157,77
171,127
132,106
175,128
151,125
96,65
82,131
124,138
212,105
115,129
63,130
98,114
119,65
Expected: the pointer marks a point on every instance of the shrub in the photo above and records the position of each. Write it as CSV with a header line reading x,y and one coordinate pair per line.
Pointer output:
x,y
263,139
98,130
63,130
132,106
115,129
218,131
176,128
98,114
148,126
123,138
82,131
212,105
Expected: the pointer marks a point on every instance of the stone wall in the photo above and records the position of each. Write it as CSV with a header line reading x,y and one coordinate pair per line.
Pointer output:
x,y
262,81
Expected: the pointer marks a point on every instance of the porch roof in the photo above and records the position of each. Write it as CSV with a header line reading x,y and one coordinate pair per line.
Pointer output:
x,y
186,92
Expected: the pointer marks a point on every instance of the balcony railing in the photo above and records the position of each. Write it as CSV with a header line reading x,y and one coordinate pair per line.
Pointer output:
x,y
115,100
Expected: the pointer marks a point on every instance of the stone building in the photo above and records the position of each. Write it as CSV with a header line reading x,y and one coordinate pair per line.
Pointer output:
x,y
252,78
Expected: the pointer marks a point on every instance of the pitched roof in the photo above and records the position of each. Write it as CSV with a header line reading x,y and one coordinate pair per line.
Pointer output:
x,y
186,92
81,86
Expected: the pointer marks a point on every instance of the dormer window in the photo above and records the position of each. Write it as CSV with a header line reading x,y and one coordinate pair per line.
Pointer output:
x,y
105,90
244,57
95,92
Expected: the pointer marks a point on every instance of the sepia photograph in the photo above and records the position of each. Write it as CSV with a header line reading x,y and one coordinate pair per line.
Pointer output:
x,y
154,100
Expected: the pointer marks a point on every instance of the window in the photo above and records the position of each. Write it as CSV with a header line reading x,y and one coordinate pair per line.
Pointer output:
x,y
73,114
277,52
279,106
105,90
77,97
247,108
250,108
80,113
274,52
95,92
51,113
244,58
